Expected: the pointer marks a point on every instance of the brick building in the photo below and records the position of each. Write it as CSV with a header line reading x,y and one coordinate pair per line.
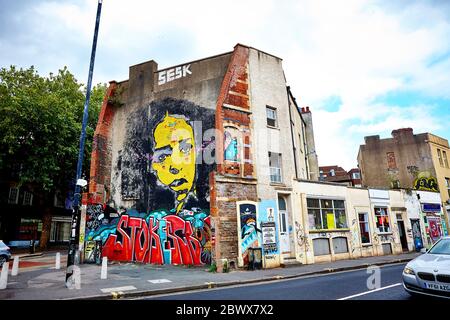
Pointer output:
x,y
339,175
410,161
194,164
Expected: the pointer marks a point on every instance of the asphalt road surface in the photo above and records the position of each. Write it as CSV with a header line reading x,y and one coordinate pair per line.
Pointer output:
x,y
349,285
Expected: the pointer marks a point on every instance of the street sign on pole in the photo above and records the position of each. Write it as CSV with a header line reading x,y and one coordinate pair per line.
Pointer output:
x,y
74,235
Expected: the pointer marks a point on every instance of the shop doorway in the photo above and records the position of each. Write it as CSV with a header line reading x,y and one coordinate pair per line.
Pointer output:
x,y
284,232
417,234
402,233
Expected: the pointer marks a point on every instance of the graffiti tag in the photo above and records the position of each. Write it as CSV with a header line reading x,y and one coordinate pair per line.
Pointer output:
x,y
426,184
173,74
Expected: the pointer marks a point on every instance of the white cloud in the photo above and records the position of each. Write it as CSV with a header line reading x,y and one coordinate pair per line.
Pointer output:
x,y
357,51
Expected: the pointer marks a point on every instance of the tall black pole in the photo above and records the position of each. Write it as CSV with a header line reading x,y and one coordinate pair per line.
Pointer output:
x,y
75,232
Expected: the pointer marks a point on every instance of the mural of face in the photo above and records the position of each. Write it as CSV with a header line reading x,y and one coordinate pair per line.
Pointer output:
x,y
174,156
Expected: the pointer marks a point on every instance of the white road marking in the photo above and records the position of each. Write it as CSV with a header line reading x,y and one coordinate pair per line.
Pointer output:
x,y
370,291
159,281
127,288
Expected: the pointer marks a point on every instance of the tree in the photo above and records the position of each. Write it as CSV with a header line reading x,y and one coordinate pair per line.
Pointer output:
x,y
40,127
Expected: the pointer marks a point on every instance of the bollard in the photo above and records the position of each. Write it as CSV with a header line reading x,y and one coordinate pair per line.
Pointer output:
x,y
77,276
58,261
15,268
4,276
104,272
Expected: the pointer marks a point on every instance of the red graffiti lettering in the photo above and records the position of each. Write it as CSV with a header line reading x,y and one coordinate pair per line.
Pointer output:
x,y
194,244
141,244
178,224
135,240
156,255
119,250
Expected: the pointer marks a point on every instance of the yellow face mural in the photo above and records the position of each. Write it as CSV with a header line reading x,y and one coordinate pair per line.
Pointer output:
x,y
174,156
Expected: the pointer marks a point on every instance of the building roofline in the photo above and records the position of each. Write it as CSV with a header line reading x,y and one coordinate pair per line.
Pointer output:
x,y
194,61
197,60
295,103
331,184
269,54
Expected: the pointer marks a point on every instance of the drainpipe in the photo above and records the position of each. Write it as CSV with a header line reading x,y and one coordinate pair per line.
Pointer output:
x,y
292,133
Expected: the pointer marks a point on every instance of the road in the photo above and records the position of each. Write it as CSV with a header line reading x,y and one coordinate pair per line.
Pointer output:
x,y
349,285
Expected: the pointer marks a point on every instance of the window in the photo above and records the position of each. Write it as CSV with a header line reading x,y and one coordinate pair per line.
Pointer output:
x,y
58,200
444,155
356,175
395,184
391,160
447,184
340,245
271,116
60,231
381,215
13,195
332,173
27,198
440,157
326,214
321,246
364,230
275,167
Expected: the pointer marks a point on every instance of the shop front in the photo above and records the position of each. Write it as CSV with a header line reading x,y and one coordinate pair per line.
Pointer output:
x,y
434,222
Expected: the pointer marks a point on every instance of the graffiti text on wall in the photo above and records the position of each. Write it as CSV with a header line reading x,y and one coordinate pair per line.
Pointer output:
x,y
173,74
158,238
426,184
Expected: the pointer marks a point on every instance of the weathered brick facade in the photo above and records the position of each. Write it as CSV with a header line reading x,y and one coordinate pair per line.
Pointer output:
x,y
100,177
227,192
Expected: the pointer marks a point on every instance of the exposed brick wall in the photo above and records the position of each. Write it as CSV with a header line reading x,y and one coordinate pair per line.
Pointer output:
x,y
224,213
232,103
100,172
233,92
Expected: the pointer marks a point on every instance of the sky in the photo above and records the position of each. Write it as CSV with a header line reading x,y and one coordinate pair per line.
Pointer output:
x,y
363,67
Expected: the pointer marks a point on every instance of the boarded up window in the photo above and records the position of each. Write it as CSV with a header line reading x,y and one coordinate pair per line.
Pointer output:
x,y
387,249
321,246
391,160
340,245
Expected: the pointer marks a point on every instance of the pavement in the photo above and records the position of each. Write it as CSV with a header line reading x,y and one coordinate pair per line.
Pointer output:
x,y
133,280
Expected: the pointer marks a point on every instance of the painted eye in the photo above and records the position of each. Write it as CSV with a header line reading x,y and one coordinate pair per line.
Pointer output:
x,y
161,157
186,148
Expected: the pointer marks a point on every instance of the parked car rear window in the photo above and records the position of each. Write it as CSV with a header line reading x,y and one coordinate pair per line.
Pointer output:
x,y
442,247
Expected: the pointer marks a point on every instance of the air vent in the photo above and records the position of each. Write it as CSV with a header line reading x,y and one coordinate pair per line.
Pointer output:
x,y
443,278
426,276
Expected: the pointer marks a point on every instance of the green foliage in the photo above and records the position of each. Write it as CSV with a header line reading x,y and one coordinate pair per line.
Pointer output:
x,y
226,269
40,126
213,268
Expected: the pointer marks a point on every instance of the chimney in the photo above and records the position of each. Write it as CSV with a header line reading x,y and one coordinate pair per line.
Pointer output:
x,y
402,132
371,139
305,110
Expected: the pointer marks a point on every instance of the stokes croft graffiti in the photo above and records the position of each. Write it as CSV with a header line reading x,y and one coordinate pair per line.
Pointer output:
x,y
158,238
161,171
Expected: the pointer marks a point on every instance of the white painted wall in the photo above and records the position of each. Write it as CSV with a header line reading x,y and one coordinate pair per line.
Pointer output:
x,y
268,88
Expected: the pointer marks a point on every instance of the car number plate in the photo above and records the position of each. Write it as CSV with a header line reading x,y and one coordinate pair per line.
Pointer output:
x,y
436,286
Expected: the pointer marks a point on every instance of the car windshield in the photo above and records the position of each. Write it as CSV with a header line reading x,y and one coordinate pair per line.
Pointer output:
x,y
442,247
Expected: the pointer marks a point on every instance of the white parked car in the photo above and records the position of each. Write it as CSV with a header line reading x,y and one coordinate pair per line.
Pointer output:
x,y
429,274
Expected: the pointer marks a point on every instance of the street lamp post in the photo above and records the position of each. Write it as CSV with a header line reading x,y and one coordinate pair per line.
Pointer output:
x,y
74,236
